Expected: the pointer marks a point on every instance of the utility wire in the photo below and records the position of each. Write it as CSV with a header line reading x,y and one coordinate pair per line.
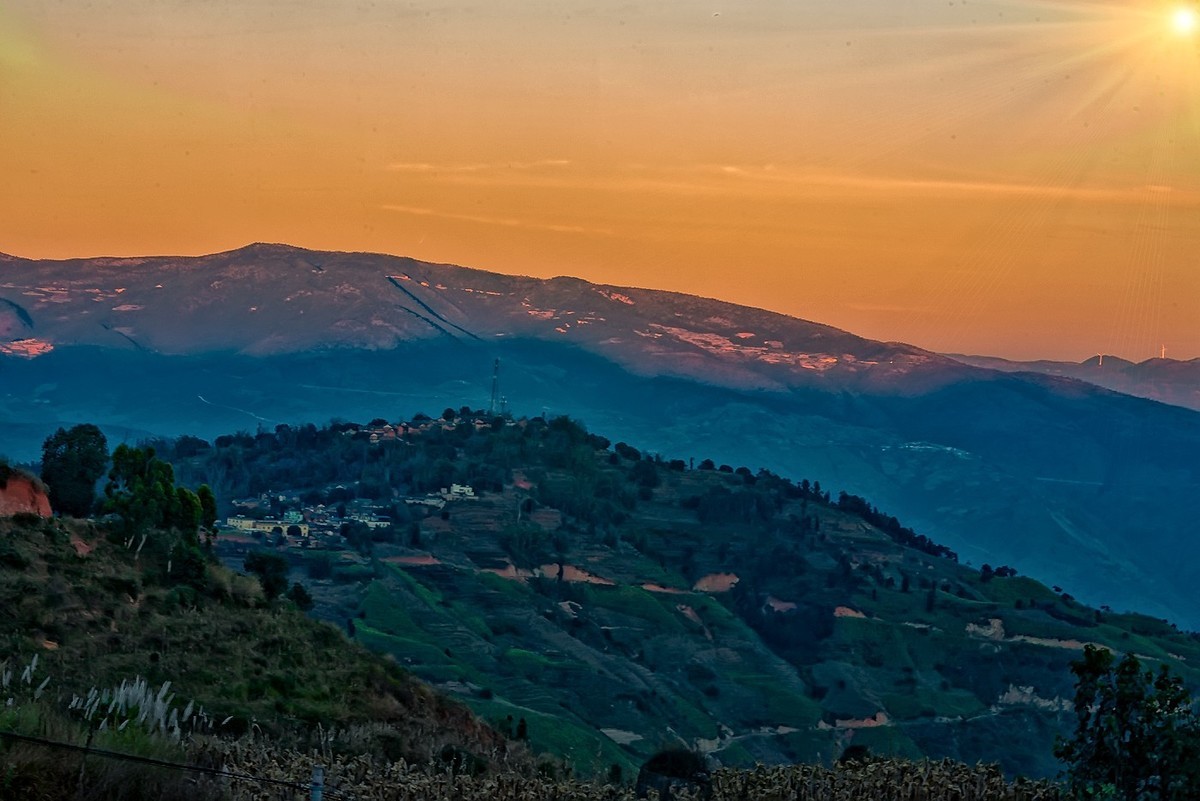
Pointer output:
x,y
161,763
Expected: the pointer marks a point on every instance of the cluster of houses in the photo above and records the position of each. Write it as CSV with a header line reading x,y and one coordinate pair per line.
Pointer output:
x,y
391,432
320,526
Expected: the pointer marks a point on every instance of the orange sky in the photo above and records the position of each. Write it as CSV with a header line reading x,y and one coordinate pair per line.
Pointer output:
x,y
1015,178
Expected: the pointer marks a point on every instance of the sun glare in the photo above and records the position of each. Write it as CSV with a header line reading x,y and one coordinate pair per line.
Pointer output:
x,y
1185,20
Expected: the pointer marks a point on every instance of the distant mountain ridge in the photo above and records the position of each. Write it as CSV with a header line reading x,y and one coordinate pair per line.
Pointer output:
x,y
297,300
1071,483
1171,381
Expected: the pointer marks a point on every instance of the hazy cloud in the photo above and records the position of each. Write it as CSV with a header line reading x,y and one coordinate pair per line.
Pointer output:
x,y
468,167
875,183
507,222
761,179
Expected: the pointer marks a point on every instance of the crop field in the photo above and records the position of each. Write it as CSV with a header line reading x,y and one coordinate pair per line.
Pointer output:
x,y
875,780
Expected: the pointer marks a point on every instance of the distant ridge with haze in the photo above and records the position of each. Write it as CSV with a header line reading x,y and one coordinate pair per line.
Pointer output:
x,y
1072,483
1168,380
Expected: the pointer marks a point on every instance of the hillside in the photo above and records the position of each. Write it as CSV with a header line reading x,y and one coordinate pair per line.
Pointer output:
x,y
1071,483
607,603
246,682
96,613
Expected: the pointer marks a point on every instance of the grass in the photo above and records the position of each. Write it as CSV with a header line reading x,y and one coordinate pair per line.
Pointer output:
x,y
925,702
415,652
429,596
526,663
873,642
783,706
589,751
220,645
634,602
382,613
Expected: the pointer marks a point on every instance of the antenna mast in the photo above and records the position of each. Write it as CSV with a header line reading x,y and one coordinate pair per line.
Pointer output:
x,y
495,387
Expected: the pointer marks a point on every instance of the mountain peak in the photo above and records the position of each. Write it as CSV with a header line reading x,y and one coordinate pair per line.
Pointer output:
x,y
259,249
1113,361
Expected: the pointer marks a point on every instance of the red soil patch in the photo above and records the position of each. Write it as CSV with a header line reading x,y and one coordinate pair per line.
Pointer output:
x,y
423,559
22,494
660,588
717,582
778,605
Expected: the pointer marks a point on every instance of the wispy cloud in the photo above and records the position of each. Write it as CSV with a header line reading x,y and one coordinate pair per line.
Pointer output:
x,y
765,180
936,186
507,222
474,167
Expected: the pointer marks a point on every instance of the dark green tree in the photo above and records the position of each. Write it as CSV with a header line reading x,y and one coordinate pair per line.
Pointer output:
x,y
528,546
300,596
141,489
271,569
188,512
208,506
72,462
645,474
188,566
1137,737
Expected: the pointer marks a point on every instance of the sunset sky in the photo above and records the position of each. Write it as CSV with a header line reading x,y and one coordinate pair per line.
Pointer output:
x,y
1013,178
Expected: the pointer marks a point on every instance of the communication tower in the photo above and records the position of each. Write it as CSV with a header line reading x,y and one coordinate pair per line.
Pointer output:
x,y
495,388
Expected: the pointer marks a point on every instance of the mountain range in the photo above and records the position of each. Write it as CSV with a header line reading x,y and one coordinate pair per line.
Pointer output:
x,y
1070,482
1167,380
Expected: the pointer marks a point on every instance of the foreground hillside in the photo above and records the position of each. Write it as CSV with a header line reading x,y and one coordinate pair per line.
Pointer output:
x,y
604,603
95,612
109,645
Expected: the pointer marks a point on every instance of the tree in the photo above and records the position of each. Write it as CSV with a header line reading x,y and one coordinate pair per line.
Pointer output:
x,y
72,462
141,489
272,572
188,566
301,597
1137,738
208,506
645,475
187,513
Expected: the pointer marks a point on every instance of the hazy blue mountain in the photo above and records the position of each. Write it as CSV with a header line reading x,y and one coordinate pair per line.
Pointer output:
x,y
1167,380
1072,483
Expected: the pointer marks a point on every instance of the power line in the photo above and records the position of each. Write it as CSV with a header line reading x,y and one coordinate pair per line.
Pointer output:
x,y
161,763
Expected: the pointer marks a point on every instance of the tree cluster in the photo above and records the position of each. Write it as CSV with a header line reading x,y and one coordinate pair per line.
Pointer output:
x,y
73,460
1137,737
141,490
892,527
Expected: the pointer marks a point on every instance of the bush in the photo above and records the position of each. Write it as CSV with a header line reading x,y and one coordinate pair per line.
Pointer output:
x,y
300,596
672,770
271,570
